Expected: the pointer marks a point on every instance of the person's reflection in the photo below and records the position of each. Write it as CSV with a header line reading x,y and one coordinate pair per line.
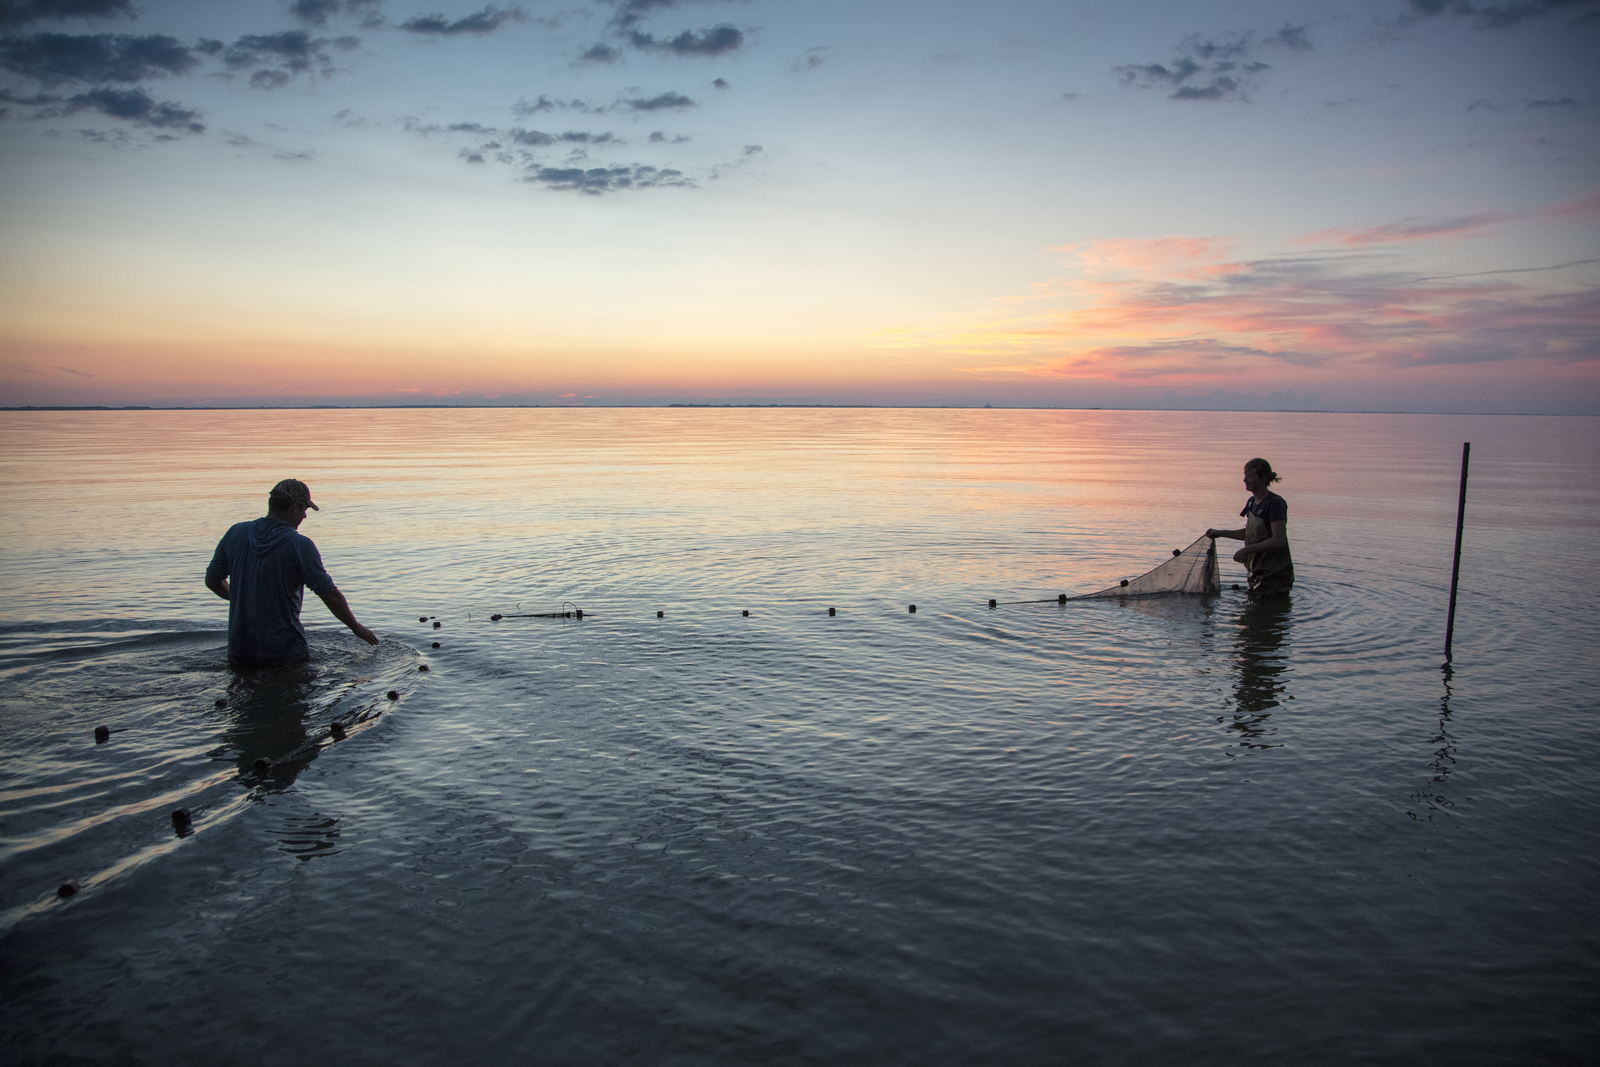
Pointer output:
x,y
1263,670
266,718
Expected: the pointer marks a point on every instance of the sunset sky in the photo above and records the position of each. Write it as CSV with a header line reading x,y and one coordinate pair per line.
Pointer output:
x,y
1349,205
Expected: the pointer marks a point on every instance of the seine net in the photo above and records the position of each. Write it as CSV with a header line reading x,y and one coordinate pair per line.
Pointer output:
x,y
1190,570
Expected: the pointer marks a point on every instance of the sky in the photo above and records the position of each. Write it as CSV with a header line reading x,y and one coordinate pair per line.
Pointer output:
x,y
1374,205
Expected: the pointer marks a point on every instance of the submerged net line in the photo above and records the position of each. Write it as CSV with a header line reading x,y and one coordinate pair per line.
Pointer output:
x,y
1192,571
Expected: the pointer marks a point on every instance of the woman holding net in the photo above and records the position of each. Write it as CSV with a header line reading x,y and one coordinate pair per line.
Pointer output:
x,y
1265,535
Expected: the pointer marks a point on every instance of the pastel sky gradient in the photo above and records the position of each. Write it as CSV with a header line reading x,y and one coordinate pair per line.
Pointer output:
x,y
1349,205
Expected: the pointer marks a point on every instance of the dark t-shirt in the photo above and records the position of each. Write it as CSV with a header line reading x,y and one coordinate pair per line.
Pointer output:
x,y
1272,571
1272,509
267,563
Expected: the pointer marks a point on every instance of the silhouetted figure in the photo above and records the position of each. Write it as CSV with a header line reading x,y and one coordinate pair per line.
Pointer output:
x,y
1265,534
261,568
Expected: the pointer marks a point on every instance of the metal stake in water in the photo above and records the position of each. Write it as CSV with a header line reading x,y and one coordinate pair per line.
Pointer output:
x,y
1455,568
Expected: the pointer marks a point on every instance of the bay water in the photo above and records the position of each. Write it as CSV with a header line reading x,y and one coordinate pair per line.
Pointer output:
x,y
1182,830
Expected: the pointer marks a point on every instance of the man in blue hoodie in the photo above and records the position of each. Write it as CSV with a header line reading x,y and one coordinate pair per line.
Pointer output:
x,y
268,563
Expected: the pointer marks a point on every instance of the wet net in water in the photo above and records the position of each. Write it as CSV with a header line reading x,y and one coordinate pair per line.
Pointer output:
x,y
1190,570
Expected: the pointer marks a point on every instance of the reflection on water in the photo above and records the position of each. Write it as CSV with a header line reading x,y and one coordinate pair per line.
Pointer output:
x,y
185,733
1432,798
955,836
1262,660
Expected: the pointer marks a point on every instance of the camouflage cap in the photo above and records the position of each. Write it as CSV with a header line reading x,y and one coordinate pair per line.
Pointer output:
x,y
295,491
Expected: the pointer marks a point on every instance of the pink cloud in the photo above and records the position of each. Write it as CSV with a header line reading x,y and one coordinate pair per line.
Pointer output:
x,y
1298,318
1415,229
1185,256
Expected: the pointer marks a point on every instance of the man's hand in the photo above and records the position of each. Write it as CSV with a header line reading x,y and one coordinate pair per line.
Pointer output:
x,y
341,611
219,587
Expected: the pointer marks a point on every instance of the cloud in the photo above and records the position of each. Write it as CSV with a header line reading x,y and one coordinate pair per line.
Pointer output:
x,y
660,102
631,12
719,40
52,58
601,53
1565,101
1147,315
318,12
599,180
811,58
482,22
294,52
137,107
1415,229
539,139
1206,68
134,106
21,12
522,109
720,83
1496,16
1189,257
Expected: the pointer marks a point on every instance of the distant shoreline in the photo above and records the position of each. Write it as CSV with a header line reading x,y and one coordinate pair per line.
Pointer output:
x,y
856,407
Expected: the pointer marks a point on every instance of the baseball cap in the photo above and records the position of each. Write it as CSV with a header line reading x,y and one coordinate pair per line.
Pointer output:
x,y
295,491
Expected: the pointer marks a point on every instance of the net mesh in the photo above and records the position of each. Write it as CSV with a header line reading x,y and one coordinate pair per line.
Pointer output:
x,y
1190,570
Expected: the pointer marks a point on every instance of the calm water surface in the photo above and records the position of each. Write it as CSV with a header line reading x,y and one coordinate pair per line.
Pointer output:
x,y
1169,831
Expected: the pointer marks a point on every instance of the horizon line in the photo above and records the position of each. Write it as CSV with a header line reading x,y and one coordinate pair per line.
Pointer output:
x,y
884,407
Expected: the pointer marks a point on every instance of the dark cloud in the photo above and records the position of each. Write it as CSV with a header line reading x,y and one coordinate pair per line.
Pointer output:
x,y
812,58
20,12
280,56
133,106
720,83
598,180
660,138
1221,87
630,12
482,22
540,139
470,156
318,12
1208,68
1291,37
522,108
315,12
470,127
601,53
1498,16
719,40
664,101
52,58
1565,101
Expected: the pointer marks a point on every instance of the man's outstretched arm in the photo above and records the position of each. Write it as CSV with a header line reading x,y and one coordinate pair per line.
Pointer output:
x,y
341,611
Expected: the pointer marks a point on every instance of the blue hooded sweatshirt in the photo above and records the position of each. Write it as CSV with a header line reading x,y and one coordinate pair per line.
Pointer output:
x,y
267,563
